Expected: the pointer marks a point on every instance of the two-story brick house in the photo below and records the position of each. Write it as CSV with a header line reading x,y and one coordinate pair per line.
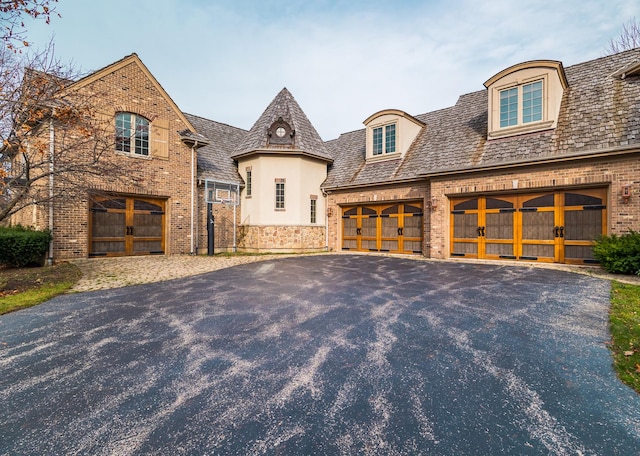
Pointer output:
x,y
533,167
148,209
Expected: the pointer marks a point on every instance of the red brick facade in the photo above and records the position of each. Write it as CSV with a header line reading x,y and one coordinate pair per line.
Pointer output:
x,y
128,86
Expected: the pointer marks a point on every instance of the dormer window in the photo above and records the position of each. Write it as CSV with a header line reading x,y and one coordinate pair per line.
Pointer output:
x,y
525,98
280,133
390,133
384,139
521,104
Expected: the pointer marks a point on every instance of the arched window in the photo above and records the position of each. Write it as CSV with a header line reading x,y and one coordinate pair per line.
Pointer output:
x,y
132,133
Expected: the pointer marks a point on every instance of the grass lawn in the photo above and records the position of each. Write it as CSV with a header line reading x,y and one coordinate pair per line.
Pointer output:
x,y
26,287
624,320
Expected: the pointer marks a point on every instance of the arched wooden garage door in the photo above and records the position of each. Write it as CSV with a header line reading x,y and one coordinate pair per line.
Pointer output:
x,y
120,226
394,227
551,227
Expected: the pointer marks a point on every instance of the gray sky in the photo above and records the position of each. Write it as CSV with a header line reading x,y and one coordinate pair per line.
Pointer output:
x,y
342,60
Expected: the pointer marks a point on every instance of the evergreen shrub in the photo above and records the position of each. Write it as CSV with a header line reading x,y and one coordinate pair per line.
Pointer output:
x,y
20,246
619,254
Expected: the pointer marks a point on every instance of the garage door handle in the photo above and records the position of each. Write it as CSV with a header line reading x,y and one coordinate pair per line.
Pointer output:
x,y
358,231
399,231
558,231
129,231
480,231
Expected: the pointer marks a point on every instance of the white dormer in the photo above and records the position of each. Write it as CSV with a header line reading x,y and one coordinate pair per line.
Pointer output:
x,y
525,98
390,133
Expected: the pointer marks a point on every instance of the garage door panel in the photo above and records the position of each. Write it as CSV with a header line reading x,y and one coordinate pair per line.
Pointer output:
x,y
579,253
147,225
582,224
499,225
350,244
389,227
412,246
147,246
554,226
369,227
395,227
465,248
349,226
126,226
538,251
413,227
108,224
369,244
389,245
537,225
465,225
501,250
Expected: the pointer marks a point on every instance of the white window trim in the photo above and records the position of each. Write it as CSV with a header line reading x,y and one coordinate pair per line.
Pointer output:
x,y
284,195
249,182
384,155
520,127
132,138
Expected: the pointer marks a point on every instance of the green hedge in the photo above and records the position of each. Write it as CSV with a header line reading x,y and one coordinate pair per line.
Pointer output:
x,y
21,246
619,254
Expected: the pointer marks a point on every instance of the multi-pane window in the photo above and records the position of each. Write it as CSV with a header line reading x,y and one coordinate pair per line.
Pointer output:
x,y
314,208
132,133
509,107
532,102
512,112
384,140
377,141
390,138
248,181
280,193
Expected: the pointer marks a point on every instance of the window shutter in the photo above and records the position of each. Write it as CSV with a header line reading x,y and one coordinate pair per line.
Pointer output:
x,y
160,139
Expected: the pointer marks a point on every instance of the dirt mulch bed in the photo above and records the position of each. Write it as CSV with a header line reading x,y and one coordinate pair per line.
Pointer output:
x,y
18,280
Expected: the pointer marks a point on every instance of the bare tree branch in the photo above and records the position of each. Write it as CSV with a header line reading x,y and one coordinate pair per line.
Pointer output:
x,y
38,102
629,38
12,16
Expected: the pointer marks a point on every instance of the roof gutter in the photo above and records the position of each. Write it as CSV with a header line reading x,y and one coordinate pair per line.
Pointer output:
x,y
373,184
609,152
282,152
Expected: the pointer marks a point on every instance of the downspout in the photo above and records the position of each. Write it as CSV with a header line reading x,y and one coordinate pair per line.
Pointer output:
x,y
326,219
52,138
193,183
235,220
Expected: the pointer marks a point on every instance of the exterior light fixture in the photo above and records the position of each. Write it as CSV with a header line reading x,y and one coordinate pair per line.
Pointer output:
x,y
625,191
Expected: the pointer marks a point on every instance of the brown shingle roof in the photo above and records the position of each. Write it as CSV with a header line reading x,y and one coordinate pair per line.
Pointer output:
x,y
306,139
214,159
599,111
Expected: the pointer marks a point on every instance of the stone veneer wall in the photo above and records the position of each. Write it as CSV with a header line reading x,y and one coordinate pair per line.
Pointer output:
x,y
377,195
609,173
281,238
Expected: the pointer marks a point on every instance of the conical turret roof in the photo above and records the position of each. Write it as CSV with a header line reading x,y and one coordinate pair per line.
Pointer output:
x,y
304,140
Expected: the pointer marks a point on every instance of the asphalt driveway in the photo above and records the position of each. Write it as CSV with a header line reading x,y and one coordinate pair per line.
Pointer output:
x,y
332,354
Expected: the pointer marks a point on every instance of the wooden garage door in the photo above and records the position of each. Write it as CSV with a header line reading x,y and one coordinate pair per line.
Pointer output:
x,y
122,226
395,228
550,227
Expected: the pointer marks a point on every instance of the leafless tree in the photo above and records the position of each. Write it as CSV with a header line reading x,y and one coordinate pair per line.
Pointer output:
x,y
13,14
55,143
629,38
